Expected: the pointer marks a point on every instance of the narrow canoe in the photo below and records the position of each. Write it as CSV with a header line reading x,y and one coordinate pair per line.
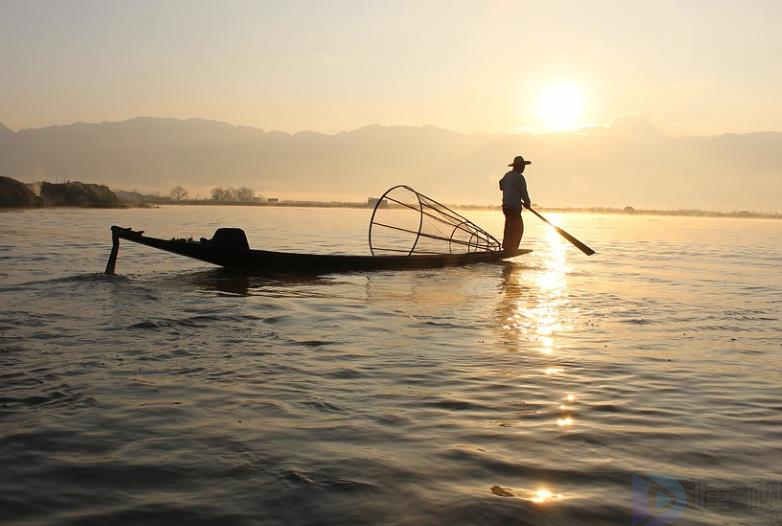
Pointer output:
x,y
232,252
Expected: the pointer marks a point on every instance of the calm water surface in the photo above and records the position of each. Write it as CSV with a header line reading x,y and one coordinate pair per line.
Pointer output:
x,y
539,391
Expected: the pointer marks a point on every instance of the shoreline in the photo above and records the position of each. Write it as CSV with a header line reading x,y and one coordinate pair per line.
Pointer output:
x,y
361,205
587,210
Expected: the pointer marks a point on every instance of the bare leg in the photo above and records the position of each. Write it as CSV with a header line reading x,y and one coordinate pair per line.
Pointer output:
x,y
507,240
516,227
520,233
513,231
506,235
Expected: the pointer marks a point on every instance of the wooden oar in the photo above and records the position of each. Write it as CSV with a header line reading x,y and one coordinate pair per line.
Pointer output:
x,y
581,246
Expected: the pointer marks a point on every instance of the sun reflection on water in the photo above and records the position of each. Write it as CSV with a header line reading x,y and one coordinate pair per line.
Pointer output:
x,y
534,299
565,421
534,311
543,495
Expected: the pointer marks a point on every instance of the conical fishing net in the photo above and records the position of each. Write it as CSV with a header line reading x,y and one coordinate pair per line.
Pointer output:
x,y
405,221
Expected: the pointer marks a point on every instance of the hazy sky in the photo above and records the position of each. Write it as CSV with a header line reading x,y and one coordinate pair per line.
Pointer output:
x,y
697,67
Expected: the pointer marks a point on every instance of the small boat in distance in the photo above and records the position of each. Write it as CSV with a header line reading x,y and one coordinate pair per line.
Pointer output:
x,y
407,230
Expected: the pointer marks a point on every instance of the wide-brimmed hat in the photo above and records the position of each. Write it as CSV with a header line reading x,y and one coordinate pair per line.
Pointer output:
x,y
519,161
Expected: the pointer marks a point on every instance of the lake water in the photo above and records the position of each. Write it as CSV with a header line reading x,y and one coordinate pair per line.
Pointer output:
x,y
553,389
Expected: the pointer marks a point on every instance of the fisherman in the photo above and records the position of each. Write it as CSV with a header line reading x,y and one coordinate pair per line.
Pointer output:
x,y
514,195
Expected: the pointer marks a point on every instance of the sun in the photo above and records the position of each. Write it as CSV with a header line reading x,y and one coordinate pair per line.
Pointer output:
x,y
560,107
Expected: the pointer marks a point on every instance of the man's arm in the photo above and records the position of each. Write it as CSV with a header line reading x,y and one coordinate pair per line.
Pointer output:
x,y
524,194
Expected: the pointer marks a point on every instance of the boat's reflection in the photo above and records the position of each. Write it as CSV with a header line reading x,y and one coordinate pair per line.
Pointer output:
x,y
240,284
425,291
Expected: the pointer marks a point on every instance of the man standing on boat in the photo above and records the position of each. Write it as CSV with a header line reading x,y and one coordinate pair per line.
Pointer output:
x,y
514,195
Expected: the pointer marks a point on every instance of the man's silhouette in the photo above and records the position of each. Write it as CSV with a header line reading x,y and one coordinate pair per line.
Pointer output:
x,y
514,195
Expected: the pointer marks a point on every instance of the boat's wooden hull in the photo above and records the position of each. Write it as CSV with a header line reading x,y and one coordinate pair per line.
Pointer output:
x,y
266,261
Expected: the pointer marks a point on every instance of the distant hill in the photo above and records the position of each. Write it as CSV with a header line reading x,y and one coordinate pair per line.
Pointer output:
x,y
5,133
14,193
627,164
78,194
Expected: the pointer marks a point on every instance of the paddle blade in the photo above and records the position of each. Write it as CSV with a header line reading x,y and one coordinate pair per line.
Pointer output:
x,y
581,246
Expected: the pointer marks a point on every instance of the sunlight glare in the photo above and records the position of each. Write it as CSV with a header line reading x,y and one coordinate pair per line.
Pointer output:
x,y
542,495
560,107
565,421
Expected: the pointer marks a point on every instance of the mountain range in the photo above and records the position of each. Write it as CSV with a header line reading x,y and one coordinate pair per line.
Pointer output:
x,y
627,164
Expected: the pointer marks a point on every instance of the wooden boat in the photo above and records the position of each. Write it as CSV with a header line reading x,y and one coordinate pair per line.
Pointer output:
x,y
266,261
228,248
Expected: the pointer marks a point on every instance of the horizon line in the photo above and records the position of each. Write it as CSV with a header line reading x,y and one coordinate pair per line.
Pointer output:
x,y
617,124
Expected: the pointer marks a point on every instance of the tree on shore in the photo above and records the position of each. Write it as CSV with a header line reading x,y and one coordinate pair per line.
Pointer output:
x,y
243,194
178,193
222,194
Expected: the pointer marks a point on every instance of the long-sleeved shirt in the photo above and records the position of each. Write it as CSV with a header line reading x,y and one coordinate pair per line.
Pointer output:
x,y
514,190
